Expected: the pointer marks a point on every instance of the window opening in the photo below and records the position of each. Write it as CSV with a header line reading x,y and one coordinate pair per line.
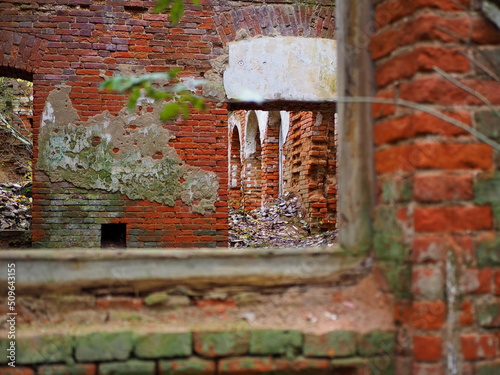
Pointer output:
x,y
16,127
297,158
113,236
284,126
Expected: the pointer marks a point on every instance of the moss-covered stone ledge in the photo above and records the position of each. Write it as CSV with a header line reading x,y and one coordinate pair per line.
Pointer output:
x,y
276,352
140,271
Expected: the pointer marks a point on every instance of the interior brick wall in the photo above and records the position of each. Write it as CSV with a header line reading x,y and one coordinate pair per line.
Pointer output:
x,y
310,166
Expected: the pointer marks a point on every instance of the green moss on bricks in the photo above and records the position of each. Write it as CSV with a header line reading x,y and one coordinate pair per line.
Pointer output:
x,y
397,191
389,246
273,342
164,345
377,342
383,365
398,276
132,367
349,364
388,238
156,298
4,346
44,349
73,369
221,344
332,344
488,369
191,366
486,190
496,216
488,315
488,253
104,346
487,123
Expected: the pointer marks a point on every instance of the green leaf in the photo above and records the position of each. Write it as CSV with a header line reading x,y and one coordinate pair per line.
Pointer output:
x,y
185,110
161,5
170,111
177,11
199,104
172,73
132,99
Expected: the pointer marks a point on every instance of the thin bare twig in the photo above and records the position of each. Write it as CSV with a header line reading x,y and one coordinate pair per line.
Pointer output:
x,y
471,59
426,109
481,66
467,89
15,133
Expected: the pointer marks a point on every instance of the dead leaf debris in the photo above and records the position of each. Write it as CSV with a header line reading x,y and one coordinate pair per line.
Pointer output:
x,y
15,206
276,224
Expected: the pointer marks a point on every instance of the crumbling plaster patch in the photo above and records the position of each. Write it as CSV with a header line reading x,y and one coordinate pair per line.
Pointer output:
x,y
126,153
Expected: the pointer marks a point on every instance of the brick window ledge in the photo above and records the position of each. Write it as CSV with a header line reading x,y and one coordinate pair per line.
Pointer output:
x,y
145,270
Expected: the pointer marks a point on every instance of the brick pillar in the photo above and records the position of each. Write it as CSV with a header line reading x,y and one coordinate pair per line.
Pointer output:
x,y
270,158
437,214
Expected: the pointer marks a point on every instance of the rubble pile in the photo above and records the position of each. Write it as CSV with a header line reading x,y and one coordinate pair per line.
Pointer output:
x,y
15,206
276,224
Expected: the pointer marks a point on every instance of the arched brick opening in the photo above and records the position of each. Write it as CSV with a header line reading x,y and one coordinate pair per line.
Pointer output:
x,y
21,54
317,21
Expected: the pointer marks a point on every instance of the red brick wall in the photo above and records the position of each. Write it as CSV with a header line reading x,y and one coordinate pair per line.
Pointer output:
x,y
436,219
79,43
310,166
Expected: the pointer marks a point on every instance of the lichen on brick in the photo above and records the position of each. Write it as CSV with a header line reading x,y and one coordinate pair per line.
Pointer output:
x,y
388,239
488,252
488,314
397,190
128,153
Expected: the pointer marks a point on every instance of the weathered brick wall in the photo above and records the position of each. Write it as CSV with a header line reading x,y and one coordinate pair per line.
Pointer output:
x,y
436,219
229,352
76,45
310,166
308,163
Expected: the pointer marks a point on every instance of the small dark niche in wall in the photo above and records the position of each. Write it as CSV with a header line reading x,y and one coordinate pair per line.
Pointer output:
x,y
113,236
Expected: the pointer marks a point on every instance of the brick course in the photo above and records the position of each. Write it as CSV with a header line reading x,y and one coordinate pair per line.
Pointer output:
x,y
224,352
